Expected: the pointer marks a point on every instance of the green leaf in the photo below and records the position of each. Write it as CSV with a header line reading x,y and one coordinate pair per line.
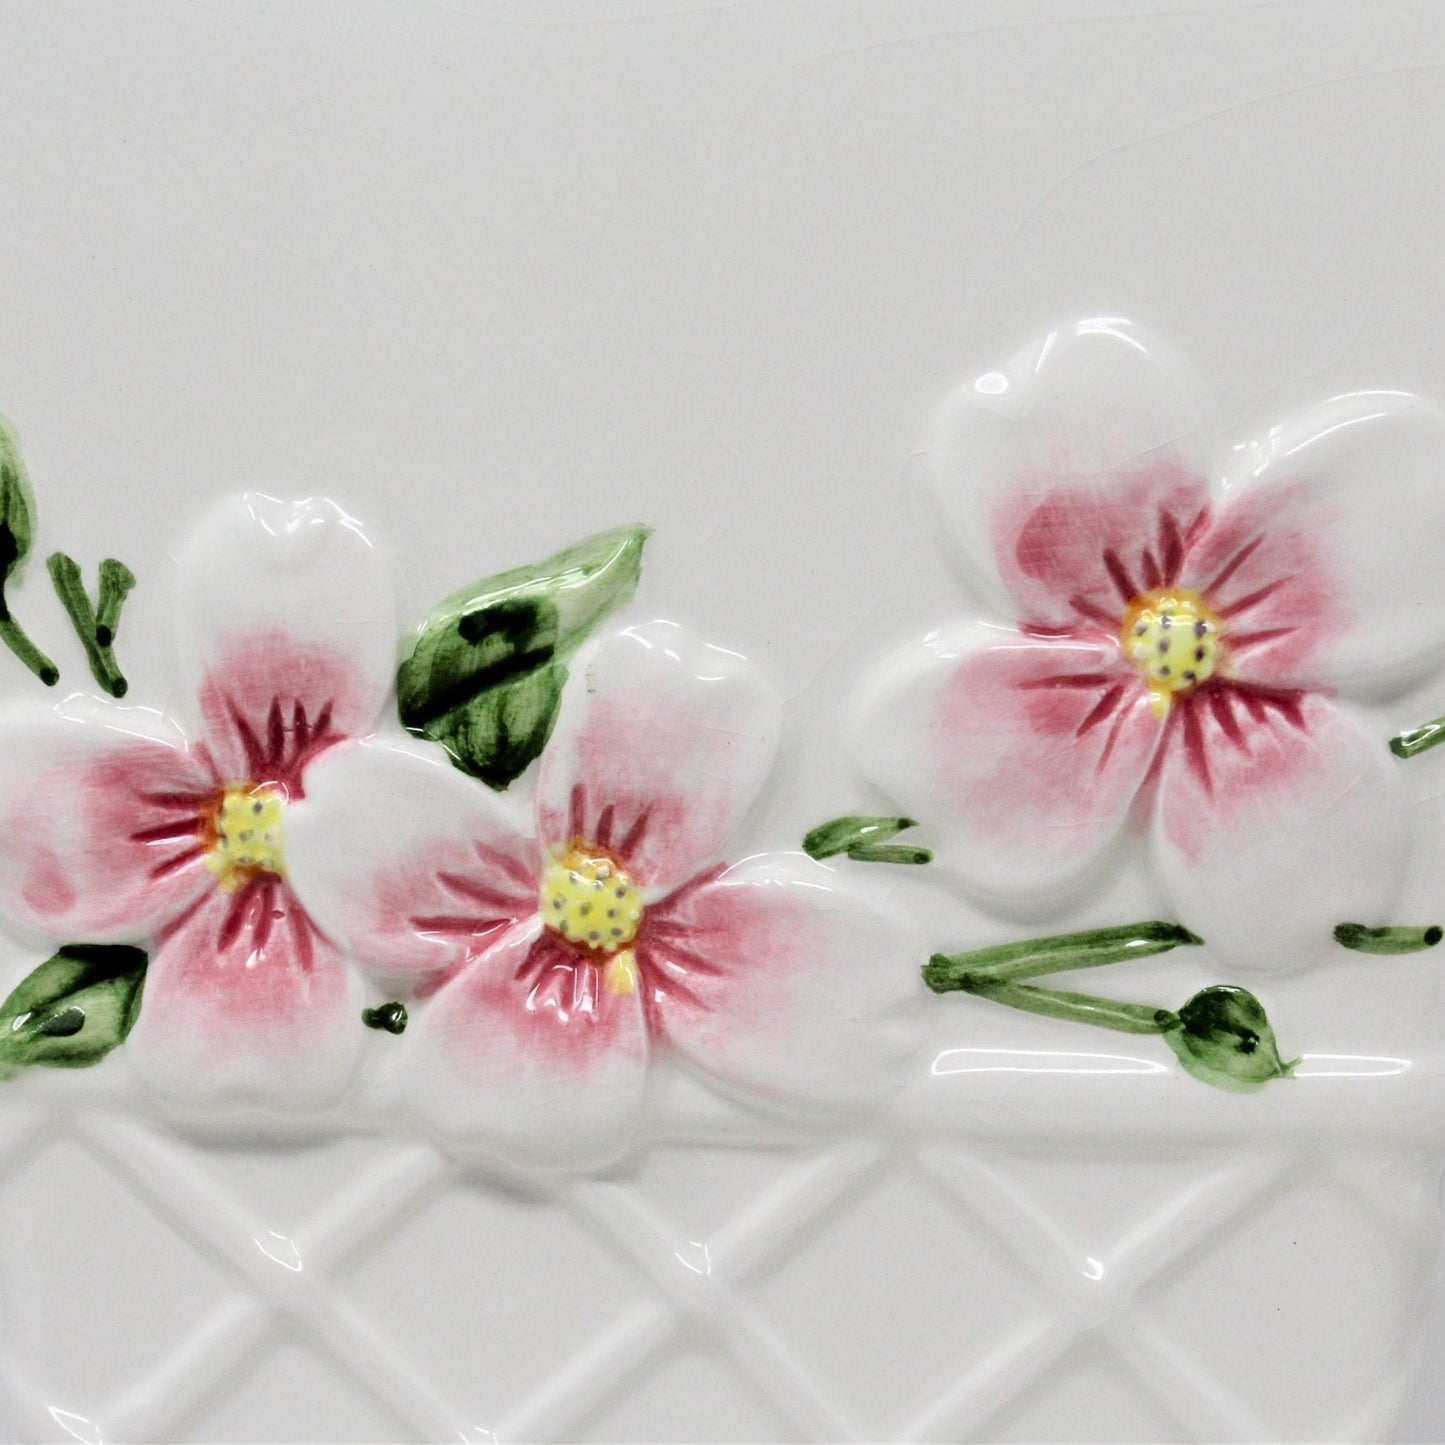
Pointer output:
x,y
16,504
864,839
498,734
17,529
1414,741
484,677
1393,940
1224,1038
72,1010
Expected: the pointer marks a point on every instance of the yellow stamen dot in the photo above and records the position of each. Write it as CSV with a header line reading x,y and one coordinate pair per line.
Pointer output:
x,y
589,899
244,836
1173,638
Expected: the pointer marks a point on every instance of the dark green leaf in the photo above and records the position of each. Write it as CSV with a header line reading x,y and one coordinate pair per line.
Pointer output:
x,y
72,1010
485,674
1224,1038
496,737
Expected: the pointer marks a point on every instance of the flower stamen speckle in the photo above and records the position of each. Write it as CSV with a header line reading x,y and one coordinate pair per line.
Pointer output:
x,y
1173,637
592,903
243,835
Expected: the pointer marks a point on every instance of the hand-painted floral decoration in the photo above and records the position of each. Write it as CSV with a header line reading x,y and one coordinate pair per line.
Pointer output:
x,y
1180,620
279,836
115,828
568,954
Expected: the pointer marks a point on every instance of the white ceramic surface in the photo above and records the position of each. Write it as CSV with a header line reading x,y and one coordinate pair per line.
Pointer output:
x,y
494,277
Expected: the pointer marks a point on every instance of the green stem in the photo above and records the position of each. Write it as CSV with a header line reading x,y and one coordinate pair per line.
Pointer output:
x,y
15,638
1107,1013
888,853
1418,740
1090,949
65,575
1387,940
116,580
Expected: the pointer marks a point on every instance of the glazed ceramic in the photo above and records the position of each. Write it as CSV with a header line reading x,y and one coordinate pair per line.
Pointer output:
x,y
719,723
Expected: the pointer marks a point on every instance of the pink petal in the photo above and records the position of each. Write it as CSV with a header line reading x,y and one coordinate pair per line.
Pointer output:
x,y
1026,755
1356,485
287,633
1260,565
1074,475
525,1056
99,821
410,866
246,1004
773,980
662,746
1280,816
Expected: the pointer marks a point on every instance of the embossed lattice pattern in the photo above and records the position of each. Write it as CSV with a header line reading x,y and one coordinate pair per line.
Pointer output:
x,y
680,1300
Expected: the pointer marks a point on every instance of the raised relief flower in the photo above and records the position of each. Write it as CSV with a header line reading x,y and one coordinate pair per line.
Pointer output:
x,y
1178,623
573,951
117,826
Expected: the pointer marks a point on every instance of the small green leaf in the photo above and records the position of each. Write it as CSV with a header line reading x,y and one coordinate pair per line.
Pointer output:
x,y
864,839
72,1010
1092,948
1387,940
484,677
17,527
1413,741
389,1017
1223,1037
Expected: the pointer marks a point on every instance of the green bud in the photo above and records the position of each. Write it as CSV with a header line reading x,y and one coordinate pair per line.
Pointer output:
x,y
1224,1038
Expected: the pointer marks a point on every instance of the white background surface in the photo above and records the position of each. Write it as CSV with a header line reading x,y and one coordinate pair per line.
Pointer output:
x,y
498,275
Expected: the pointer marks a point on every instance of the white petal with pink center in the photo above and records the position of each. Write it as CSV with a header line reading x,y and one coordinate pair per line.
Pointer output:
x,y
1026,753
246,1005
525,1056
660,749
408,864
1270,834
772,980
1085,445
100,810
1361,480
286,621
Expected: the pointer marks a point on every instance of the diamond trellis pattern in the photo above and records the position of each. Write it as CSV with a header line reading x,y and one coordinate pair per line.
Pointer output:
x,y
401,1298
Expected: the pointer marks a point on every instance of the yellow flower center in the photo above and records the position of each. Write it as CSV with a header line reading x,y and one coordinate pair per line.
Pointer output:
x,y
244,836
1173,638
592,902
